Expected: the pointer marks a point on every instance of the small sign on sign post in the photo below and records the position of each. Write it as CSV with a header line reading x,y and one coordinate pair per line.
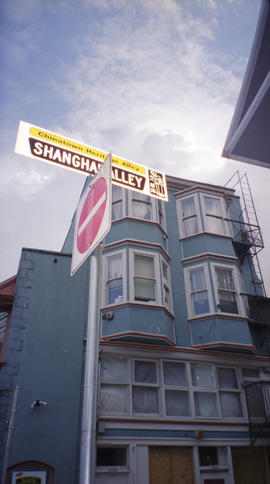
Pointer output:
x,y
93,216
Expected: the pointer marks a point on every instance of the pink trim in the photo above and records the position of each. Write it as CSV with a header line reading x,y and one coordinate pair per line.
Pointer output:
x,y
137,335
191,350
139,243
226,344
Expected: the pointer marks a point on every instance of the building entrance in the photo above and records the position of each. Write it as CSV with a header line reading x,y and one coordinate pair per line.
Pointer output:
x,y
170,465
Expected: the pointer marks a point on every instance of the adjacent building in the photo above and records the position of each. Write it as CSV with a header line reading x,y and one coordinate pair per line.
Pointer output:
x,y
184,366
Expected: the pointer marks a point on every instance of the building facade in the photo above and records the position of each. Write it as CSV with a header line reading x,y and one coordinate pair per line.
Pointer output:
x,y
184,367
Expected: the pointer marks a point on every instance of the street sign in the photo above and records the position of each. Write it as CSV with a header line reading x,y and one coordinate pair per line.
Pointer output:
x,y
50,147
93,216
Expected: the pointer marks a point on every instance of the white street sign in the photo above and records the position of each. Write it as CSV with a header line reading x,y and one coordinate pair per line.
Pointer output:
x,y
93,216
36,142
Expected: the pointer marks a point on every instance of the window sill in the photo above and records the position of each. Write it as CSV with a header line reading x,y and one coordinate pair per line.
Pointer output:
x,y
192,319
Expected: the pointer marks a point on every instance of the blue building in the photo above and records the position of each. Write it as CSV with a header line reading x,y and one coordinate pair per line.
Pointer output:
x,y
184,367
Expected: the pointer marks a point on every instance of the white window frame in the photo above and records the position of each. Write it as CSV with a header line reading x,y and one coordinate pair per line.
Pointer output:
x,y
153,202
237,390
132,253
223,215
155,385
181,217
190,388
189,291
133,195
166,283
105,267
237,288
122,199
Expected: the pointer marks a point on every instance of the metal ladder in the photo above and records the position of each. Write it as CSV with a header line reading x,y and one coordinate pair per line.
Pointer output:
x,y
250,218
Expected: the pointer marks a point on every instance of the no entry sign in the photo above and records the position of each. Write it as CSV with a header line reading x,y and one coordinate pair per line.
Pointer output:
x,y
93,216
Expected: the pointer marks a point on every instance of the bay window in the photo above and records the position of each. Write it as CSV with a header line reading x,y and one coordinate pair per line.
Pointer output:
x,y
149,281
226,292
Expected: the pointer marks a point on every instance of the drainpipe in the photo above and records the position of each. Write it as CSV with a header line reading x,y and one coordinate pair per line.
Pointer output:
x,y
10,431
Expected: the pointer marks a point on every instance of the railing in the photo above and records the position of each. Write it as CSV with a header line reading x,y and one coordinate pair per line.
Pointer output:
x,y
258,403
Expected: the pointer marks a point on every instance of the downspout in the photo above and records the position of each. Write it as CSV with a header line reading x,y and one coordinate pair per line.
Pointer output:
x,y
11,426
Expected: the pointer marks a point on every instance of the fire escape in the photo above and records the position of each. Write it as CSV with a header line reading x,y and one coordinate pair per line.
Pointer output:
x,y
248,240
248,243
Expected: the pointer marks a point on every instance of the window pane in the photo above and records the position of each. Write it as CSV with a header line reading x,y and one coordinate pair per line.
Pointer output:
x,y
188,207
145,400
113,398
213,205
111,456
144,289
116,210
200,303
230,404
116,193
141,209
144,266
190,226
227,378
165,271
208,456
177,403
174,374
250,373
202,375
145,371
205,404
114,266
197,280
225,278
227,302
113,369
115,291
215,225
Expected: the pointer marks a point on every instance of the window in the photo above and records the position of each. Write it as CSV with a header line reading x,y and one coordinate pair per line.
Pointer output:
x,y
167,298
205,401
177,401
214,214
114,389
145,395
189,216
114,274
227,289
111,456
147,208
229,393
168,388
145,278
142,206
117,202
197,284
160,213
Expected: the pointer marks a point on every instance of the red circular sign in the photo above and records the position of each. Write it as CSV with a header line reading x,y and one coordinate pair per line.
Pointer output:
x,y
91,215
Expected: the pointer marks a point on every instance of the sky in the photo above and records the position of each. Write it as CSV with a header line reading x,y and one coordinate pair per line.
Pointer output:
x,y
153,81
